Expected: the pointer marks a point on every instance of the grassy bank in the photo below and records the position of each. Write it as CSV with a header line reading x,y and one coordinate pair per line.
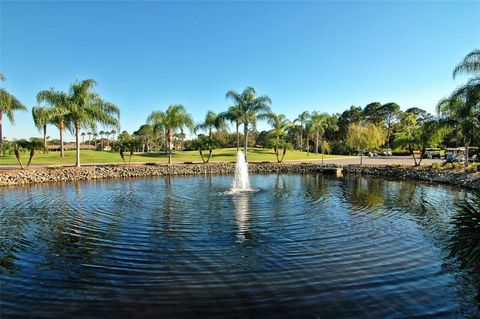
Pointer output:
x,y
100,157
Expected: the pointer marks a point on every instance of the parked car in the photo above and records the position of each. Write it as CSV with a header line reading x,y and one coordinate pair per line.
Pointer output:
x,y
387,152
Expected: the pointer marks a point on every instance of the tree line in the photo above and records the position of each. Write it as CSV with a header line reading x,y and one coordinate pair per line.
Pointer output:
x,y
358,129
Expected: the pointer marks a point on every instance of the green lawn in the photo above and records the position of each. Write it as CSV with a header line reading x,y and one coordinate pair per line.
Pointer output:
x,y
100,157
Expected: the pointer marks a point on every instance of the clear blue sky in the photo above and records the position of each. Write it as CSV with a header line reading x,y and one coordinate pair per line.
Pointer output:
x,y
306,56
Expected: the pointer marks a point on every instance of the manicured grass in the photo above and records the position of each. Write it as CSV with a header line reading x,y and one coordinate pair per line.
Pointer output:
x,y
100,157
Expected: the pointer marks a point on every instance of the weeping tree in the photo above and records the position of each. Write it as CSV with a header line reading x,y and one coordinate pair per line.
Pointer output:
x,y
8,105
365,138
30,146
173,119
250,108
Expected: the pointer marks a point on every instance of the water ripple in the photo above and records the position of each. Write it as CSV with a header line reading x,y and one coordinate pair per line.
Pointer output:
x,y
298,247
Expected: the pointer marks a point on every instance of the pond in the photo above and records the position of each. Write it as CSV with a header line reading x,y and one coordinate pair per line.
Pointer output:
x,y
300,246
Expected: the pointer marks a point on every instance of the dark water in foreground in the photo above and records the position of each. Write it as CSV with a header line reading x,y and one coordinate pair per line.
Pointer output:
x,y
301,247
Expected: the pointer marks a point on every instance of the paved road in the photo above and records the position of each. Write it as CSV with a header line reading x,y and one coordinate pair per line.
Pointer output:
x,y
380,160
404,160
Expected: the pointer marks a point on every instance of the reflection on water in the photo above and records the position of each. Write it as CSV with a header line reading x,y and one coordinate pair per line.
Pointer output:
x,y
240,202
301,247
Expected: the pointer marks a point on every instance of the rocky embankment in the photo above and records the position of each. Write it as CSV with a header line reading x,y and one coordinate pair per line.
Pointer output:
x,y
63,174
451,177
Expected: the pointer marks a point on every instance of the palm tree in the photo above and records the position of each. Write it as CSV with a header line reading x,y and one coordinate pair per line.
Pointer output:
x,y
469,65
318,122
83,137
462,108
461,112
8,104
41,117
233,115
212,121
58,108
87,109
302,118
113,132
89,138
101,138
251,108
95,134
309,132
173,119
279,124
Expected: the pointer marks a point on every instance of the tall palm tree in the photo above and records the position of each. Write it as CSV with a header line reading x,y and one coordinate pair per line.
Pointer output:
x,y
302,118
174,118
8,104
319,121
86,109
309,132
462,108
95,134
212,121
83,137
58,108
233,115
42,117
251,107
89,138
101,138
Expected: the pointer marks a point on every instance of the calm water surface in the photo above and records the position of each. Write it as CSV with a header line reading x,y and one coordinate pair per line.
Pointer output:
x,y
300,247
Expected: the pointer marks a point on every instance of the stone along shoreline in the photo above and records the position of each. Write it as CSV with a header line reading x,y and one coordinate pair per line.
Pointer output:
x,y
65,174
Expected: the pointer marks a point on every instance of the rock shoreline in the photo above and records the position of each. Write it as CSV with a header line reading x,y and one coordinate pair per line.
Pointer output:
x,y
67,174
450,177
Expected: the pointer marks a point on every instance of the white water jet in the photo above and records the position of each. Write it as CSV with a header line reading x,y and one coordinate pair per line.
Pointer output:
x,y
240,181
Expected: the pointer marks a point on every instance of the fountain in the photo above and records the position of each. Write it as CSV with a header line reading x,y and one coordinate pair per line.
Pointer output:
x,y
240,181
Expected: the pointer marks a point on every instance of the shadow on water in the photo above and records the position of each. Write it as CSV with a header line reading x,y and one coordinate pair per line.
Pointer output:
x,y
465,240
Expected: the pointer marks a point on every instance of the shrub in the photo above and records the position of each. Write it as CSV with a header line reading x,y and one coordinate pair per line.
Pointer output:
x,y
436,166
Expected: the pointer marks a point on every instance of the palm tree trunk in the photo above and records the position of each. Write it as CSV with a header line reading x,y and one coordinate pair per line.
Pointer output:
x,y
466,152
77,141
17,155
238,136
169,147
62,127
308,145
32,153
316,145
301,140
245,139
1,134
44,139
